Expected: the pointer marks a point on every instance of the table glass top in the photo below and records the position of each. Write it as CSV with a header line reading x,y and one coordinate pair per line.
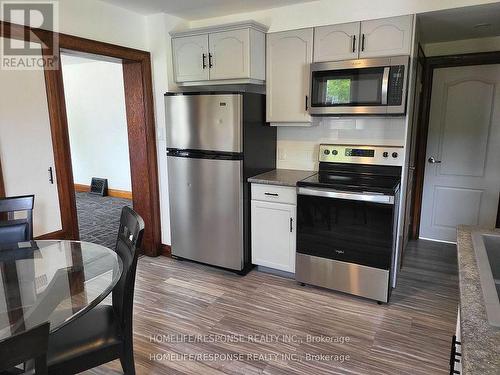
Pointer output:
x,y
52,281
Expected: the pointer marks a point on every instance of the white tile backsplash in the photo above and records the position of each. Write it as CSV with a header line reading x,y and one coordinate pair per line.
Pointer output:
x,y
297,148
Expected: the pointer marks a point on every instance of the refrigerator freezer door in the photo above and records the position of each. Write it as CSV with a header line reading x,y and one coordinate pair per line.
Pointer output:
x,y
204,122
206,209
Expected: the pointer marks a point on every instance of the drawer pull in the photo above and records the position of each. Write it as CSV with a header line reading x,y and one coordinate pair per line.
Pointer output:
x,y
272,194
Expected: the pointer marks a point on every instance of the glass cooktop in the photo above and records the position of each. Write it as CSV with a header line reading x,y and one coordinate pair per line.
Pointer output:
x,y
353,182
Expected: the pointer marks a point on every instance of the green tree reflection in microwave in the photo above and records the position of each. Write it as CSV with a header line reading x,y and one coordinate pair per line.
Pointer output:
x,y
338,91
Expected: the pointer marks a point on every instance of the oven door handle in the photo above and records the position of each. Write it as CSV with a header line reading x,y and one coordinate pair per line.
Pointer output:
x,y
365,197
385,85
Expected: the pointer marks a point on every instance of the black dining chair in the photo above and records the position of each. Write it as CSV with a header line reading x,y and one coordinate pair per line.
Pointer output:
x,y
14,229
105,332
24,347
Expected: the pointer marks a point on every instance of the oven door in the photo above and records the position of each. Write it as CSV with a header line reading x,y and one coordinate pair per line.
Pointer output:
x,y
345,226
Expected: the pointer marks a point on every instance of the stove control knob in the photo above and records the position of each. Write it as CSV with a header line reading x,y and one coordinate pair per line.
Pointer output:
x,y
385,154
326,152
335,152
394,155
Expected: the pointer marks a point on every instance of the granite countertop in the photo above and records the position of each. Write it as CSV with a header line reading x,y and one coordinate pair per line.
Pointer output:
x,y
283,177
480,340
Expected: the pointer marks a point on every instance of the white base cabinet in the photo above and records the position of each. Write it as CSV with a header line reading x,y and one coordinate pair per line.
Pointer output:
x,y
273,230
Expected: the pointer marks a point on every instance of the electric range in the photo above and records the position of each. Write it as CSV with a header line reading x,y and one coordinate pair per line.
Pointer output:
x,y
347,219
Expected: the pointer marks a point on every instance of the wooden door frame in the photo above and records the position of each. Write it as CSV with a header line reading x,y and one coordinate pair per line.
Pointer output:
x,y
140,123
432,63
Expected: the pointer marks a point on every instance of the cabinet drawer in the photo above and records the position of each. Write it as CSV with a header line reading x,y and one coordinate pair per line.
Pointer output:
x,y
274,193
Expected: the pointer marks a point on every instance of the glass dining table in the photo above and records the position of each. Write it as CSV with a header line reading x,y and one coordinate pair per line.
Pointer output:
x,y
54,281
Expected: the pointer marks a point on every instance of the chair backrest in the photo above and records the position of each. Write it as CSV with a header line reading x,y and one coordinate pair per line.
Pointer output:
x,y
25,346
128,243
12,229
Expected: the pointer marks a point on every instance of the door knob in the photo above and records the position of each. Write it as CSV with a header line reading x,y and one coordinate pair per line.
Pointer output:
x,y
432,160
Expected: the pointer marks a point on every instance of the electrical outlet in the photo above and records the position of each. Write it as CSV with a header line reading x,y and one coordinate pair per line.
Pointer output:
x,y
282,155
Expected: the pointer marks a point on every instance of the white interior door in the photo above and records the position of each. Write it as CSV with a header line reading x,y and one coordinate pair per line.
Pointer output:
x,y
26,151
462,185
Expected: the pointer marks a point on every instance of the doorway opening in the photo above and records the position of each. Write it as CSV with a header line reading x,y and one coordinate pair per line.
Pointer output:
x,y
458,141
97,128
137,78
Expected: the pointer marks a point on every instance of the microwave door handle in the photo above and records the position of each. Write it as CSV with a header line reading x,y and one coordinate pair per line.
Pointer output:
x,y
385,85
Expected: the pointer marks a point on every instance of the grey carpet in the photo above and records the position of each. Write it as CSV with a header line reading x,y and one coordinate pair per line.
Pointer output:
x,y
99,218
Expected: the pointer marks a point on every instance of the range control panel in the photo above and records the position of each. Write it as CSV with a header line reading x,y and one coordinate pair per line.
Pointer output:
x,y
379,155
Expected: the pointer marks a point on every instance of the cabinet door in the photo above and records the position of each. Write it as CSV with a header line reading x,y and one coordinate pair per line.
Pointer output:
x,y
190,58
386,37
336,42
229,52
289,54
273,235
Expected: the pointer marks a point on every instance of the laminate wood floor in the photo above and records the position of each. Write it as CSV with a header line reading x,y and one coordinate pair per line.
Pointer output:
x,y
265,324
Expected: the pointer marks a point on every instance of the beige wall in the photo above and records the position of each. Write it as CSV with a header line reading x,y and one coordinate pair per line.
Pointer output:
x,y
463,46
326,12
26,144
158,39
101,21
97,122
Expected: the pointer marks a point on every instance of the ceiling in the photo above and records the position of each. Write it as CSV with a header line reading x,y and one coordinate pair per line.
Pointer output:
x,y
198,9
460,23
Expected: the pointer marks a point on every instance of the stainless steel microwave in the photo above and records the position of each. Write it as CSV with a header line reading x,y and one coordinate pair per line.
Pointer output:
x,y
359,87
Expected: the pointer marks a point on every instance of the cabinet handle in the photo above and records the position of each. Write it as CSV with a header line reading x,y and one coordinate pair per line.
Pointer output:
x,y
291,225
204,60
51,175
354,43
307,102
362,42
272,194
210,60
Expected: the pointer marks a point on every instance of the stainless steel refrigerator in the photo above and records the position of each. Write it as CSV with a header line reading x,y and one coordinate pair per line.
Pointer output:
x,y
215,141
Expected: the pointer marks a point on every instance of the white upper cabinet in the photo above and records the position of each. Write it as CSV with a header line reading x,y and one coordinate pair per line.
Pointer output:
x,y
232,53
229,54
336,42
386,37
190,56
289,54
375,38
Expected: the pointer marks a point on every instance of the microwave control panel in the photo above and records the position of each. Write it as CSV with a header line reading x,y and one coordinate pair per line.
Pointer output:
x,y
396,84
379,155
